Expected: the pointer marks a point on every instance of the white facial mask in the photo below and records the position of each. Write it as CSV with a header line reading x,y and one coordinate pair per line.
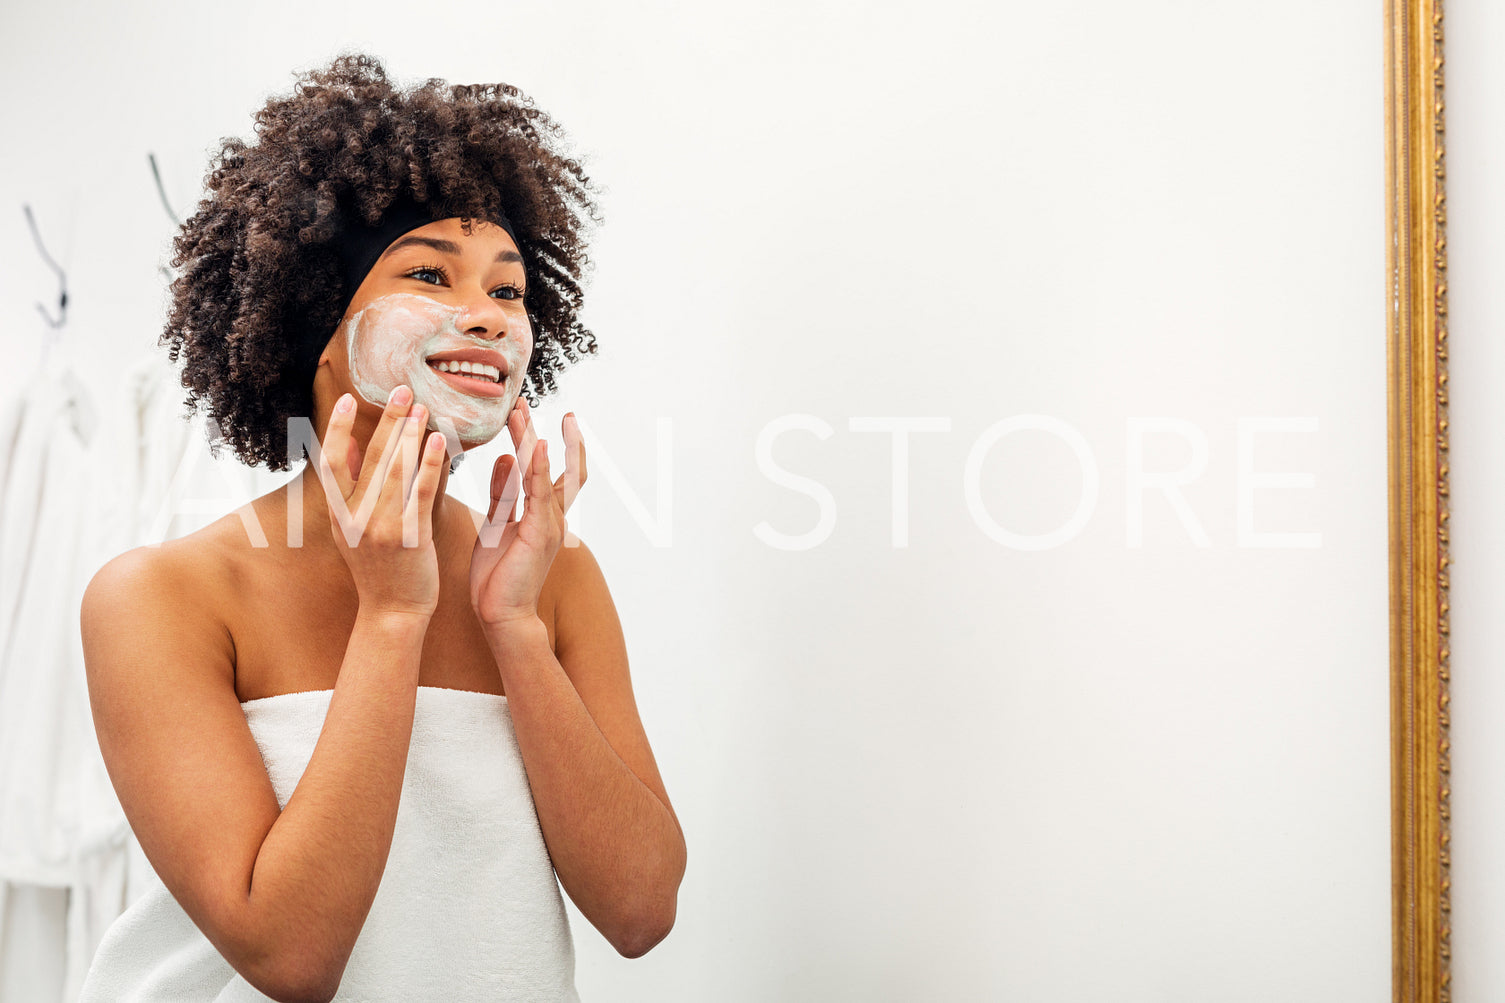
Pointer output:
x,y
392,337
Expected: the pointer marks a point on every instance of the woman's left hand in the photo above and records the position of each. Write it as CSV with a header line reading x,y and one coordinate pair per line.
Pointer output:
x,y
510,560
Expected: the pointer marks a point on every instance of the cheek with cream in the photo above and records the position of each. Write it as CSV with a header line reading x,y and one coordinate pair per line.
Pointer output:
x,y
390,341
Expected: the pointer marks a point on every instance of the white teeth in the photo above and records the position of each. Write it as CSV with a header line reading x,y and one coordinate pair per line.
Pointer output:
x,y
474,369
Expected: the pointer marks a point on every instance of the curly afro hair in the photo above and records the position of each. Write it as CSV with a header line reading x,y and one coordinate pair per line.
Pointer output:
x,y
259,288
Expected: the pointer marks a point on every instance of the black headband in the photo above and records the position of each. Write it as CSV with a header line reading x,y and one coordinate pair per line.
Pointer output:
x,y
360,245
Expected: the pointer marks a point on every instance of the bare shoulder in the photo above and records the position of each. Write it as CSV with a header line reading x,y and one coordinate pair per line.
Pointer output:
x,y
588,639
153,589
162,610
148,576
575,566
585,614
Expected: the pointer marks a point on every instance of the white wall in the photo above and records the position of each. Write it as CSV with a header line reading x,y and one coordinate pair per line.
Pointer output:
x,y
952,769
1476,309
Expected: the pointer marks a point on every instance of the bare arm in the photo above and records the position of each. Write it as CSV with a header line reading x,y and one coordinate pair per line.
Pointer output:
x,y
281,895
616,844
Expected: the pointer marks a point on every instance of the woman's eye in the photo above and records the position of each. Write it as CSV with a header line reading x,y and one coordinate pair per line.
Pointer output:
x,y
433,276
508,293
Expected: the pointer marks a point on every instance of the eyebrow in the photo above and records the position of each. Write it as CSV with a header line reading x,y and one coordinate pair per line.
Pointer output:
x,y
447,247
442,246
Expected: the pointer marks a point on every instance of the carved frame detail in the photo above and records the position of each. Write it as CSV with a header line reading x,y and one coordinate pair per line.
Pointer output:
x,y
1416,255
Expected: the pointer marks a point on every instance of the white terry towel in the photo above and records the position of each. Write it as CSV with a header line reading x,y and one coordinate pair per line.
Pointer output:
x,y
468,907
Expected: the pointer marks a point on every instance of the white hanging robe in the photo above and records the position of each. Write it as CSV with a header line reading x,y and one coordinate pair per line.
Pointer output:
x,y
60,823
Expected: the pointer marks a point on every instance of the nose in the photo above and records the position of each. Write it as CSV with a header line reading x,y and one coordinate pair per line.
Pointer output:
x,y
483,316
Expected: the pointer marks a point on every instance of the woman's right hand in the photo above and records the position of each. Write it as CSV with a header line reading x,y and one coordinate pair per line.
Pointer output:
x,y
381,504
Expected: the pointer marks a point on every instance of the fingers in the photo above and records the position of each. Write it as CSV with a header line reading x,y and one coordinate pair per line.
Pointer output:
x,y
506,486
399,471
395,480
389,470
573,478
334,467
530,471
499,471
417,515
378,453
520,424
408,454
538,472
398,456
540,492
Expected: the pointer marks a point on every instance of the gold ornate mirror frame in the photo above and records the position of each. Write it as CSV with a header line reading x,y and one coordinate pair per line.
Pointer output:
x,y
1416,258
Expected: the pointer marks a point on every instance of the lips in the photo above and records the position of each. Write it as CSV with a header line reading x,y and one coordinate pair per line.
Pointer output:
x,y
478,384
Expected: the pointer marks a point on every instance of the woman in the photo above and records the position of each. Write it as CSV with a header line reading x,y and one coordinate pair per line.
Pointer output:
x,y
354,723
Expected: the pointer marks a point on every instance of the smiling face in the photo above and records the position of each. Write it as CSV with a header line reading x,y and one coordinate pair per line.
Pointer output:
x,y
442,312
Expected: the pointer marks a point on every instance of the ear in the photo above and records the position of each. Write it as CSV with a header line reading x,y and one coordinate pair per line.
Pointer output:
x,y
335,343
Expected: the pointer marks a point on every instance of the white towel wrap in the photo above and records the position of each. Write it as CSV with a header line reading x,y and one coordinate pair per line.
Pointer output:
x,y
468,907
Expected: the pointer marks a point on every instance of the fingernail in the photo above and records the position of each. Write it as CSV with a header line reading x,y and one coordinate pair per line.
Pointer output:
x,y
401,395
345,403
436,440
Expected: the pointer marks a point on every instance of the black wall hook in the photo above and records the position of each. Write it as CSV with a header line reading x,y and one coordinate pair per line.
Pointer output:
x,y
62,277
151,158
